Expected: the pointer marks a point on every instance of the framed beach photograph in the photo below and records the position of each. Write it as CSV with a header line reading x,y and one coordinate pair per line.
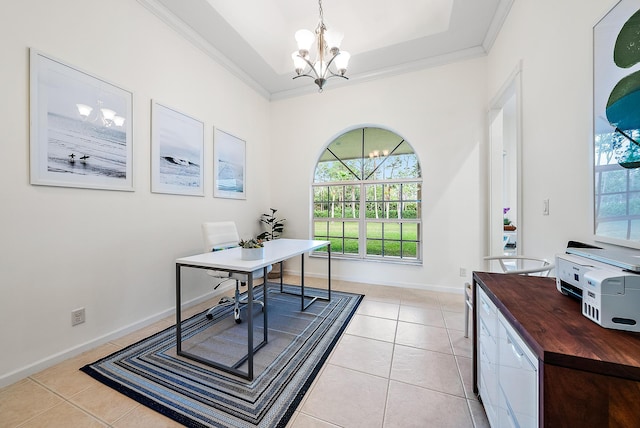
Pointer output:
x,y
177,152
229,167
81,128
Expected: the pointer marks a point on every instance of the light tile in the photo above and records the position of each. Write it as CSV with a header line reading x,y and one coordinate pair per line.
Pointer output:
x,y
374,308
104,402
302,420
372,327
427,369
454,320
64,415
410,406
422,315
462,346
465,366
144,417
452,302
420,298
23,400
66,378
424,337
347,398
363,354
478,414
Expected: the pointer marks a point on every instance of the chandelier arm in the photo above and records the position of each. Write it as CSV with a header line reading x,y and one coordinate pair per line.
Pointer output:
x,y
315,72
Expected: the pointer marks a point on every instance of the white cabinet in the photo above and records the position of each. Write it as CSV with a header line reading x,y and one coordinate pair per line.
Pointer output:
x,y
507,370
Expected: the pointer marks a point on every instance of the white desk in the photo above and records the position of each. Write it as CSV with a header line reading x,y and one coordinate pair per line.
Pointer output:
x,y
230,260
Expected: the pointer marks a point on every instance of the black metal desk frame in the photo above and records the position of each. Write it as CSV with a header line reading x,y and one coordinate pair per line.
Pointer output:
x,y
251,350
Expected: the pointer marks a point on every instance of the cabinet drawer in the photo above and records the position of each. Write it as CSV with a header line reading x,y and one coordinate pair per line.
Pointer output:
x,y
518,376
488,382
487,314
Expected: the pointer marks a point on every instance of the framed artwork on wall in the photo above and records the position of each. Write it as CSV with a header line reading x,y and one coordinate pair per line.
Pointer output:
x,y
229,166
81,128
177,152
616,125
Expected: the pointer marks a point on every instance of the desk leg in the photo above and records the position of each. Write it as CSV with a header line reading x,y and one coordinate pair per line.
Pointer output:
x,y
302,280
264,298
178,311
329,271
250,326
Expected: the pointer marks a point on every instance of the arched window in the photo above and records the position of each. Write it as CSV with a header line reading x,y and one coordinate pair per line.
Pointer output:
x,y
367,197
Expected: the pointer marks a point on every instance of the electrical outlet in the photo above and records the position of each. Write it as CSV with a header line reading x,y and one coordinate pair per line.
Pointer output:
x,y
77,316
545,207
463,272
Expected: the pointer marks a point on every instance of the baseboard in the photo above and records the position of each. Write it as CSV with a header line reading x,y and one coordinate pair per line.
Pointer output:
x,y
429,287
26,371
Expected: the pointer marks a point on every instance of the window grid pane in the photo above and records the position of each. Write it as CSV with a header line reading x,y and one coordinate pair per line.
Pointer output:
x,y
384,181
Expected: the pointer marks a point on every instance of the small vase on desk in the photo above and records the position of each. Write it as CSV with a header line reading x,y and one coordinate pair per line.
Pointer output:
x,y
252,253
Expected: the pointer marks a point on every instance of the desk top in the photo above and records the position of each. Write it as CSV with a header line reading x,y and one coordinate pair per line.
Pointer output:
x,y
555,329
274,252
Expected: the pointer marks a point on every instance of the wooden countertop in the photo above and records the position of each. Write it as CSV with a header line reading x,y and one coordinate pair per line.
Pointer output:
x,y
555,329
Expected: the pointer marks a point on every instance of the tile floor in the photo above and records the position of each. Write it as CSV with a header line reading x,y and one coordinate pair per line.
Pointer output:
x,y
402,362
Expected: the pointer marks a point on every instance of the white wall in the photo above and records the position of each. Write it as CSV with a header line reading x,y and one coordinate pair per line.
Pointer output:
x,y
107,251
554,41
441,113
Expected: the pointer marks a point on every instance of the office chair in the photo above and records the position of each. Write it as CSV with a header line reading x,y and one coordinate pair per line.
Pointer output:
x,y
511,265
219,236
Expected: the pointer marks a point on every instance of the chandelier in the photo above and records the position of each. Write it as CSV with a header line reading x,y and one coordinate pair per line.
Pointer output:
x,y
328,54
106,117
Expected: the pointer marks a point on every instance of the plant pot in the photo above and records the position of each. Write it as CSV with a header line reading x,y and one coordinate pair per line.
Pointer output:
x,y
275,271
252,253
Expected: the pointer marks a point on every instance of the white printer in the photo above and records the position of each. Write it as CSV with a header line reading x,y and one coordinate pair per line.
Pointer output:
x,y
606,280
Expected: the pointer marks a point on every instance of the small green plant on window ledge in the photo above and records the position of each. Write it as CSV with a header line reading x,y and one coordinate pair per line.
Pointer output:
x,y
251,243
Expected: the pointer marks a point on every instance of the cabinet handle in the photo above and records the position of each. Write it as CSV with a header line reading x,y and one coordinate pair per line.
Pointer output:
x,y
484,305
514,348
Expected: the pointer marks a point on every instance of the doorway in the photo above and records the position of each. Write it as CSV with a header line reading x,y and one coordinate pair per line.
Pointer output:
x,y
505,216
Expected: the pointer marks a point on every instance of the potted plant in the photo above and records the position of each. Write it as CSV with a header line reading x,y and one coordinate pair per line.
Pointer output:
x,y
252,249
508,226
274,228
274,225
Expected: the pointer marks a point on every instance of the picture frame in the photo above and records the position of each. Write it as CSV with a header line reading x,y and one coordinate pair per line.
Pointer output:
x,y
81,128
616,125
177,152
229,166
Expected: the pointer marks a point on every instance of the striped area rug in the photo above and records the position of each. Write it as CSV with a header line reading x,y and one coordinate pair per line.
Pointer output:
x,y
197,395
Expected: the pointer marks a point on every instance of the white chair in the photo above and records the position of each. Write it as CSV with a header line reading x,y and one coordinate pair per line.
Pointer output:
x,y
511,265
220,236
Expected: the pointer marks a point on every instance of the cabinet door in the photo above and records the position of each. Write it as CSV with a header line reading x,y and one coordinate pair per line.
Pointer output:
x,y
517,377
488,355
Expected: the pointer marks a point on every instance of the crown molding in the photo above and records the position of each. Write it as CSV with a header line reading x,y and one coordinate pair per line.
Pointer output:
x,y
194,38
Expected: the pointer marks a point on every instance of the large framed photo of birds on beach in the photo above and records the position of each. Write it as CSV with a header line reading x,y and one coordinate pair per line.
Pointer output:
x,y
81,128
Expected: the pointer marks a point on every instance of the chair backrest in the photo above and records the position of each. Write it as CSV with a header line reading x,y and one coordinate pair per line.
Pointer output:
x,y
219,235
523,265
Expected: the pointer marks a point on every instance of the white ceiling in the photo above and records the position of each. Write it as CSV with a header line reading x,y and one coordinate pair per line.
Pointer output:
x,y
254,38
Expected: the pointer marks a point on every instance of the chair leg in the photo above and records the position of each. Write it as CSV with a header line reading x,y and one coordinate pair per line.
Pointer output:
x,y
467,307
466,319
236,306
